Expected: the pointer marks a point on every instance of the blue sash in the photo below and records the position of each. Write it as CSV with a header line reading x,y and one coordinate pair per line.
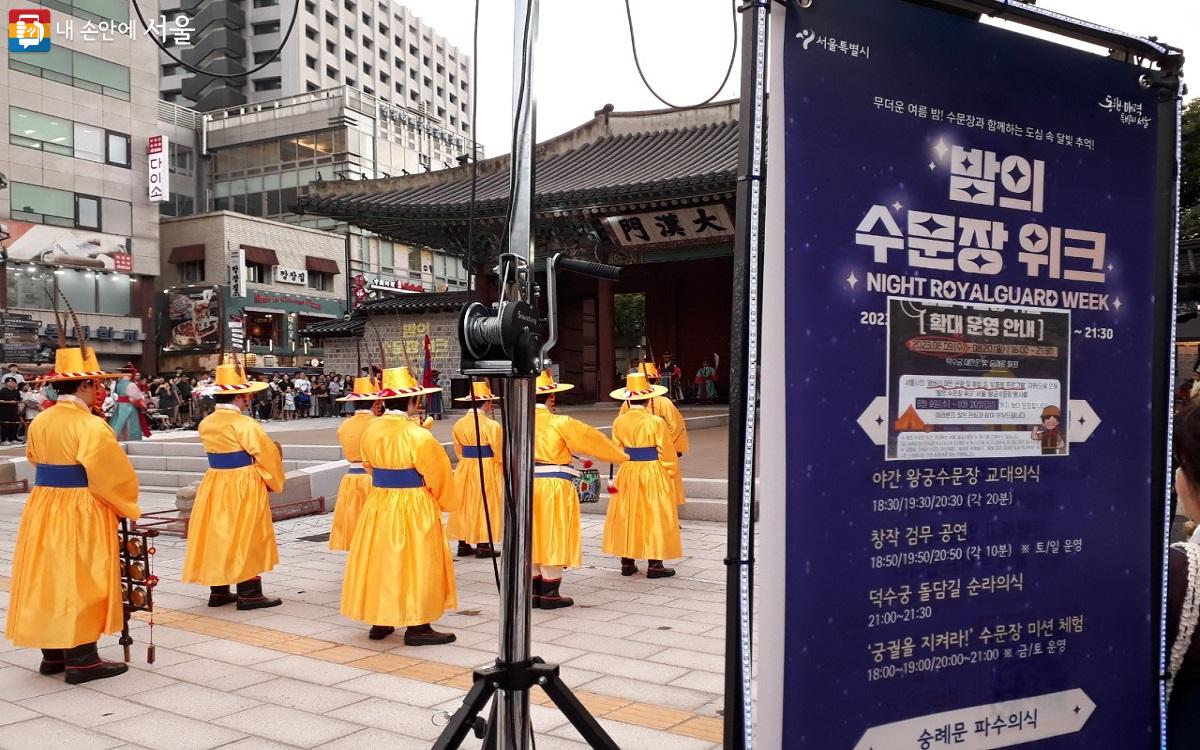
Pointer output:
x,y
642,454
397,479
356,470
478,451
61,475
234,460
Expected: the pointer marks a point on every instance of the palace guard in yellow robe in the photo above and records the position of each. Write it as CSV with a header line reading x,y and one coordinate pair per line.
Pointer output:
x,y
400,573
661,406
469,524
66,589
353,489
231,536
556,542
643,517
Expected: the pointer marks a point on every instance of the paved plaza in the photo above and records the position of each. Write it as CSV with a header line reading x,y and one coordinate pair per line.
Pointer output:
x,y
644,656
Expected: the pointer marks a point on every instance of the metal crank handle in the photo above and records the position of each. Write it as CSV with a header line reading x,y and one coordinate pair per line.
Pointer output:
x,y
589,268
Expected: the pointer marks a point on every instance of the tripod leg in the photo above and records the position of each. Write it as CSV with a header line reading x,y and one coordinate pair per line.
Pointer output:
x,y
489,741
576,713
460,724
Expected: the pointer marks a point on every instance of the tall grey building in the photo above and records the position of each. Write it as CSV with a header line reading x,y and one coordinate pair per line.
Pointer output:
x,y
376,46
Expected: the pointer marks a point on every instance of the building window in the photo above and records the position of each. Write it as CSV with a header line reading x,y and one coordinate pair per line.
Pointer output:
x,y
366,43
181,159
107,11
310,86
331,72
310,62
330,47
367,69
257,273
118,149
310,7
265,3
266,27
191,272
87,211
350,56
89,291
322,282
414,261
349,32
62,208
385,78
310,33
330,18
170,70
74,69
268,84
262,57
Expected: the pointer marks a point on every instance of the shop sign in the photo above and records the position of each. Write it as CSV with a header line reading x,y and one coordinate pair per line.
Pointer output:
x,y
193,318
288,301
689,225
979,510
237,273
159,189
297,276
59,246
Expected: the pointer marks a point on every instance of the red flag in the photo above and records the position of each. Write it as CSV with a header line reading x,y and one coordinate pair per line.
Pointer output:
x,y
427,379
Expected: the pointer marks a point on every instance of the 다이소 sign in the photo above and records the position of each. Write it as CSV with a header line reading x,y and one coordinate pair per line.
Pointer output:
x,y
970,281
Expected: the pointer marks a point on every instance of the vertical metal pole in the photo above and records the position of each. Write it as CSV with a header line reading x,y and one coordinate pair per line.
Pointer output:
x,y
743,377
512,727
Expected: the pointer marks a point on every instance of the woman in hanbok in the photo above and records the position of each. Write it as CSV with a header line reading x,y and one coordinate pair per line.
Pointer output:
x,y
400,573
643,517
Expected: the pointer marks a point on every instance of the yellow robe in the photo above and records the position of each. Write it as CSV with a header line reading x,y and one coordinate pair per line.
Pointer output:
x,y
643,517
661,406
469,523
399,571
66,587
555,501
231,536
352,491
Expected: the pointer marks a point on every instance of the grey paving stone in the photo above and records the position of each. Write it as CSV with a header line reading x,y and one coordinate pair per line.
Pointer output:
x,y
45,732
627,735
18,683
392,716
402,690
305,696
288,725
195,701
216,673
712,661
168,731
650,692
84,707
311,670
11,713
634,668
231,652
375,739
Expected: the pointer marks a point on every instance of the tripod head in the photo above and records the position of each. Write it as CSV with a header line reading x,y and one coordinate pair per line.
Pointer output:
x,y
505,340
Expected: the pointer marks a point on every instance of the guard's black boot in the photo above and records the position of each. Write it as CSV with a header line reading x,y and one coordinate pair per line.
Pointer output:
x,y
53,661
656,570
536,591
628,566
84,665
485,550
250,595
550,596
465,550
425,635
379,632
220,595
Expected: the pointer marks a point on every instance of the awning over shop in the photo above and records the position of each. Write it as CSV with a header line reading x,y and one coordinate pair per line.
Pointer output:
x,y
344,327
396,304
186,254
263,256
323,265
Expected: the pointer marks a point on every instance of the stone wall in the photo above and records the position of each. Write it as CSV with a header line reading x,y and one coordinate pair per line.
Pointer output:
x,y
399,333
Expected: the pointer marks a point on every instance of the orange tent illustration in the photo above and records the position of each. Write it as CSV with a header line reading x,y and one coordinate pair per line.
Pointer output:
x,y
909,421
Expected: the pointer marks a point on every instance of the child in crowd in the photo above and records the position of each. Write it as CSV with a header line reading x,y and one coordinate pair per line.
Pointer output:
x,y
289,403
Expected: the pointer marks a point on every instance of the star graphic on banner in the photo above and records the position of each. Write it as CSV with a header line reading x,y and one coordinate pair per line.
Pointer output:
x,y
851,279
964,166
971,190
1117,303
1017,171
1110,266
932,166
897,205
930,225
940,148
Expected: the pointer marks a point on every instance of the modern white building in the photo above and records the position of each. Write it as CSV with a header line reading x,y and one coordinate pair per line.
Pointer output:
x,y
376,46
77,122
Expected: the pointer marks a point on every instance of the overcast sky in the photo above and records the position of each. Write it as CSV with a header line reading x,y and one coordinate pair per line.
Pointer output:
x,y
583,59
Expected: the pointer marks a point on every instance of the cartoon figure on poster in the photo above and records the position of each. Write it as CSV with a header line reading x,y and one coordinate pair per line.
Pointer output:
x,y
1048,434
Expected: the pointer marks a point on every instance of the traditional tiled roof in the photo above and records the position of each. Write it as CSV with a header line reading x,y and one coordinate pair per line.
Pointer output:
x,y
615,158
403,304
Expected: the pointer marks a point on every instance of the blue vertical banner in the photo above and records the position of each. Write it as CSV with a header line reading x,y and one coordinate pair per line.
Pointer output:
x,y
973,300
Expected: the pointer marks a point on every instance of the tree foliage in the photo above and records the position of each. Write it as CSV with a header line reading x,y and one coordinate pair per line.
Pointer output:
x,y
1189,171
